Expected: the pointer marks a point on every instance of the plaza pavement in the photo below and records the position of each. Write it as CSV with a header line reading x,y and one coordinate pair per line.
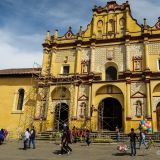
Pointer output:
x,y
12,150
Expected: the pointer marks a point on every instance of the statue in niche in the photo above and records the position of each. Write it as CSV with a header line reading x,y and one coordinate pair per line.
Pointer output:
x,y
82,109
84,67
138,109
138,65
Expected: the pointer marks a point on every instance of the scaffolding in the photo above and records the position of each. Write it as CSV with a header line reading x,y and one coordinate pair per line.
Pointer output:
x,y
65,102
26,118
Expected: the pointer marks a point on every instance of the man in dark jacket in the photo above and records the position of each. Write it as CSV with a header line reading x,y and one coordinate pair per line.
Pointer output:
x,y
32,137
1,136
133,138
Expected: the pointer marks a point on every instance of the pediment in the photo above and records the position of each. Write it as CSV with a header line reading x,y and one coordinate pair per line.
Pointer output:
x,y
82,98
138,95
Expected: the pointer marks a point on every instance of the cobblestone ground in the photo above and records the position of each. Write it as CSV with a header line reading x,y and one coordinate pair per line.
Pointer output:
x,y
48,151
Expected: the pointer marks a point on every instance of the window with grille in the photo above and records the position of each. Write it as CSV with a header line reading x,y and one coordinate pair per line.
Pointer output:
x,y
66,69
20,99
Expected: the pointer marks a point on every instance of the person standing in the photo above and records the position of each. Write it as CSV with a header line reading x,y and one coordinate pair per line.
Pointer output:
x,y
32,137
26,138
133,138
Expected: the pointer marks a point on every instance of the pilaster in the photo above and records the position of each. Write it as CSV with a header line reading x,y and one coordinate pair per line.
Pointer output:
x,y
78,59
92,57
128,99
74,116
148,99
146,55
128,59
89,100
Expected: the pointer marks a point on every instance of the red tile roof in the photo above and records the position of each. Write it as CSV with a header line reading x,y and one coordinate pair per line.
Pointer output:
x,y
20,71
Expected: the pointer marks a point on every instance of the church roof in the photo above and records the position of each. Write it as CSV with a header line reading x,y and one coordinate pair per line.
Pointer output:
x,y
20,71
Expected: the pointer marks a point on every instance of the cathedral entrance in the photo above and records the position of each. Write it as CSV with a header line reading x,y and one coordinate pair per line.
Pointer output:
x,y
158,116
110,114
61,116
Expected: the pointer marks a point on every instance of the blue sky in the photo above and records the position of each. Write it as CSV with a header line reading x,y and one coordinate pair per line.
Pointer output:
x,y
23,24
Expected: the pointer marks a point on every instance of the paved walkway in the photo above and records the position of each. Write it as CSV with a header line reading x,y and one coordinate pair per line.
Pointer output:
x,y
48,151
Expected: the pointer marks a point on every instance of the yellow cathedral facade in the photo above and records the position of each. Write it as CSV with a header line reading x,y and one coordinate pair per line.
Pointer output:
x,y
103,77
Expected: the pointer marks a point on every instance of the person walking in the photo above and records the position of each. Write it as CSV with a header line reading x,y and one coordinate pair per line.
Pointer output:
x,y
118,136
88,137
142,139
32,137
65,141
133,138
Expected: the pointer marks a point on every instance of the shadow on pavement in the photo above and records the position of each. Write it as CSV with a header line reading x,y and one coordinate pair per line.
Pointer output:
x,y
121,154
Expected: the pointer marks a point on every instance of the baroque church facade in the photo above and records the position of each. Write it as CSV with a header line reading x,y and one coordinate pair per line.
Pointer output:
x,y
104,77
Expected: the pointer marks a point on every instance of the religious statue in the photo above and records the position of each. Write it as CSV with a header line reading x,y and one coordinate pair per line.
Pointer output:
x,y
138,65
139,109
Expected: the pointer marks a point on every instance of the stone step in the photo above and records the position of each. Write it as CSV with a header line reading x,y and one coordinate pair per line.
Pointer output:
x,y
50,136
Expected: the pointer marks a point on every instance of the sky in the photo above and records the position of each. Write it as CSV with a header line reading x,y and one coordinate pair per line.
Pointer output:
x,y
24,23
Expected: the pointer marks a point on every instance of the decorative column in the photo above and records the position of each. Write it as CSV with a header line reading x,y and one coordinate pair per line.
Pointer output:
x,y
145,35
54,52
146,55
46,55
89,101
128,99
148,99
128,59
78,59
74,117
92,57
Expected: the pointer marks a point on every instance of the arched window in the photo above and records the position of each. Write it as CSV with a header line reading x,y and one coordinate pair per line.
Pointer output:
x,y
111,73
20,99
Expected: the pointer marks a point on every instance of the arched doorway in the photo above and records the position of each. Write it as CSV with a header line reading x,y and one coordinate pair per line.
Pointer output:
x,y
61,115
110,114
158,116
111,73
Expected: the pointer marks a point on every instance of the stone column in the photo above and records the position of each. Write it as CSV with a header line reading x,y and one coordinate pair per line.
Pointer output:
x,y
128,59
128,100
92,58
53,59
46,55
78,59
148,100
46,61
75,102
146,55
89,101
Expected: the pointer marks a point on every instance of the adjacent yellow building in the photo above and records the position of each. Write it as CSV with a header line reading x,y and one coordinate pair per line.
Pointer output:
x,y
104,77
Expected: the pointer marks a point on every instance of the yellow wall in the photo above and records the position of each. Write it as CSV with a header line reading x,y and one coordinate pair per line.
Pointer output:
x,y
11,119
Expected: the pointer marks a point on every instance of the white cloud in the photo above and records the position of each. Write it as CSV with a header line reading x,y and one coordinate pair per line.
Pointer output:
x,y
20,50
14,55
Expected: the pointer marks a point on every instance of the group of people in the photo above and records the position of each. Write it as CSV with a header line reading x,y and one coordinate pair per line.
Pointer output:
x,y
68,135
3,135
28,138
133,137
80,134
